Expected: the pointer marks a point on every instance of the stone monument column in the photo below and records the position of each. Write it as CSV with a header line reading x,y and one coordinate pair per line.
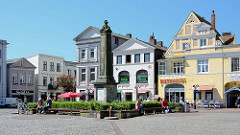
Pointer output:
x,y
105,86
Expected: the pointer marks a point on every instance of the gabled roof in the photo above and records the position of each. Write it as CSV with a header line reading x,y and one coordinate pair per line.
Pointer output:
x,y
98,30
13,61
146,44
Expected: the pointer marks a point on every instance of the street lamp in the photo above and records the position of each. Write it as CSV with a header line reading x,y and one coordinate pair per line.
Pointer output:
x,y
194,88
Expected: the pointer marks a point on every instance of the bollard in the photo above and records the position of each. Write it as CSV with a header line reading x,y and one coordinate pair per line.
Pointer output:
x,y
110,111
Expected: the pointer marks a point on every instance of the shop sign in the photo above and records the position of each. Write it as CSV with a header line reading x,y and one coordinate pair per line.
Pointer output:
x,y
119,91
235,78
172,80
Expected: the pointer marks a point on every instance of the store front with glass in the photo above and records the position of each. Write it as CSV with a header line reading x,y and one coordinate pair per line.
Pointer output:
x,y
174,91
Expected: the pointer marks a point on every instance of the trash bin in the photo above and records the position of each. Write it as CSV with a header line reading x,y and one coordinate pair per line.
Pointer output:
x,y
186,107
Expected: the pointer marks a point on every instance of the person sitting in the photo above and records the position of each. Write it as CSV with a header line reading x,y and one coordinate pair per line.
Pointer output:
x,y
48,105
238,102
40,105
139,105
165,104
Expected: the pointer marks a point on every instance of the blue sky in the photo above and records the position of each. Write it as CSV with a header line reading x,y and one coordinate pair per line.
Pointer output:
x,y
49,26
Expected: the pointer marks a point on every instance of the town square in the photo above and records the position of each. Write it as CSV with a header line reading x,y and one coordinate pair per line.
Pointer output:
x,y
120,67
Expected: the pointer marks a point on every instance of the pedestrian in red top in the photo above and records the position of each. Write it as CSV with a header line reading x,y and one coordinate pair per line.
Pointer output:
x,y
165,103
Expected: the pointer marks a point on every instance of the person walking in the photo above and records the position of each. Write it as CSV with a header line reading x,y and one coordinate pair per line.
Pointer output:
x,y
238,102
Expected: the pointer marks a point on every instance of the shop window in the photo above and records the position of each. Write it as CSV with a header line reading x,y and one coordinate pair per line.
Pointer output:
x,y
235,64
198,95
128,96
162,68
128,58
124,77
209,95
142,76
203,66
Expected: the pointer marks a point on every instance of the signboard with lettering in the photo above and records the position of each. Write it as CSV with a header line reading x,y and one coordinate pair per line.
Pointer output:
x,y
124,79
172,80
235,78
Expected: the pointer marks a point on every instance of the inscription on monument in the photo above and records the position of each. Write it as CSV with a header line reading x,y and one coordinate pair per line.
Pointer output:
x,y
100,94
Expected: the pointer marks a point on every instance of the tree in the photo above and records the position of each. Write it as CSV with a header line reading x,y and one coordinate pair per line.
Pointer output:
x,y
67,82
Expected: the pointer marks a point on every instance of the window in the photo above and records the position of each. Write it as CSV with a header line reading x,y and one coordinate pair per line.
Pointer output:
x,y
128,58
75,73
22,63
22,78
142,76
92,53
52,80
235,64
185,45
188,30
58,67
177,44
147,57
178,67
162,70
119,59
116,41
209,95
69,72
44,66
44,81
202,42
83,54
124,77
83,75
14,79
30,82
51,66
198,95
202,66
92,74
137,58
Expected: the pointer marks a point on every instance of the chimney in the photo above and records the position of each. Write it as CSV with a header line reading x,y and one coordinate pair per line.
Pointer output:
x,y
129,35
152,39
213,21
160,43
226,33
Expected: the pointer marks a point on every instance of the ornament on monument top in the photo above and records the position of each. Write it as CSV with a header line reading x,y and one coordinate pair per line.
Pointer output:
x,y
105,27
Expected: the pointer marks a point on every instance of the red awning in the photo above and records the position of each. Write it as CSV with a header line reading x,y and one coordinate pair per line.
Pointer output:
x,y
205,87
70,95
143,91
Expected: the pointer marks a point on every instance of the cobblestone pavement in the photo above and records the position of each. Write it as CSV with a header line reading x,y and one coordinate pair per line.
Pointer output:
x,y
198,122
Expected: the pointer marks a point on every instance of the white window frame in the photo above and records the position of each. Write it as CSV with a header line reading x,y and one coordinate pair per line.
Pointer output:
x,y
201,40
69,72
83,51
178,66
22,78
14,78
44,79
92,50
58,67
237,64
44,65
52,66
90,78
83,73
145,57
119,56
202,67
30,81
162,65
52,80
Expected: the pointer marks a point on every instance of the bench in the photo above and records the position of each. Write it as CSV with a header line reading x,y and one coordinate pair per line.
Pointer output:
x,y
153,110
71,111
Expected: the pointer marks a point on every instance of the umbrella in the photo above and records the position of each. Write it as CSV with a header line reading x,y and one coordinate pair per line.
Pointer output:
x,y
70,95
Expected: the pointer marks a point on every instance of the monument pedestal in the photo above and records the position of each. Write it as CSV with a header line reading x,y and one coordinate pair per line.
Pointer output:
x,y
105,92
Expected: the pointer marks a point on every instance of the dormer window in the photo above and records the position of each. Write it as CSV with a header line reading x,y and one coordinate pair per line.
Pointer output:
x,y
202,32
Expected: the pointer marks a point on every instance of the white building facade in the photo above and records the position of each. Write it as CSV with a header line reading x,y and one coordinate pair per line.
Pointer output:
x,y
88,47
3,68
48,69
135,69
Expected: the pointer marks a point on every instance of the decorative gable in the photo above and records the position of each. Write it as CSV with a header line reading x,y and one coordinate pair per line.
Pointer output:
x,y
90,32
22,63
192,19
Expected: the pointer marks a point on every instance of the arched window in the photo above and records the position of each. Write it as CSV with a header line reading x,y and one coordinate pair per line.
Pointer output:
x,y
124,77
142,76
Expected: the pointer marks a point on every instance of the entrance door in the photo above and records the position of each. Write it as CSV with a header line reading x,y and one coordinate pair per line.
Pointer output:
x,y
174,92
129,96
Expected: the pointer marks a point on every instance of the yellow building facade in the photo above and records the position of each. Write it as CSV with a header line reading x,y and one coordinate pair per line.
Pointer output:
x,y
199,62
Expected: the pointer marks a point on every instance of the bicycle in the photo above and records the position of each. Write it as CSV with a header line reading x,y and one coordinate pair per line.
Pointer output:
x,y
22,108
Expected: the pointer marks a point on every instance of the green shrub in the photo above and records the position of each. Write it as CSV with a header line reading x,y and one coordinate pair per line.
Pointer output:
x,y
93,105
